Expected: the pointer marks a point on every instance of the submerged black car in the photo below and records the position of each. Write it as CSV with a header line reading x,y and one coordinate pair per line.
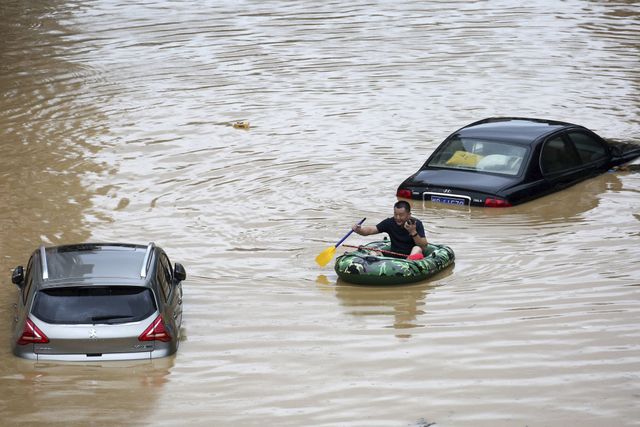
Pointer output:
x,y
500,162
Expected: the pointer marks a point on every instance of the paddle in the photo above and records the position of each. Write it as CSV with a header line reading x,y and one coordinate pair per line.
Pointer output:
x,y
325,256
377,250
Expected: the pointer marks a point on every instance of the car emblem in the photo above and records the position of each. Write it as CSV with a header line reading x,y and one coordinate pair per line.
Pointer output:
x,y
93,334
446,190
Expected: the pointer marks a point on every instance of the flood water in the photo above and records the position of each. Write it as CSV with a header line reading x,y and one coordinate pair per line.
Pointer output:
x,y
115,125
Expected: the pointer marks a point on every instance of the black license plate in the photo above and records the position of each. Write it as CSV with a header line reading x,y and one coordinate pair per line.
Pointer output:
x,y
448,200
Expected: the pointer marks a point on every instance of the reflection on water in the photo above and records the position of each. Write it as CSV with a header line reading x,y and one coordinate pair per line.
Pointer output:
x,y
114,121
402,306
46,392
397,307
573,205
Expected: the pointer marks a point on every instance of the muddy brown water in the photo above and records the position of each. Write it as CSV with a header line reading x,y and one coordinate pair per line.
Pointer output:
x,y
115,125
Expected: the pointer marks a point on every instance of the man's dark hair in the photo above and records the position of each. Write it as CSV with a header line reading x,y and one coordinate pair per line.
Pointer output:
x,y
402,204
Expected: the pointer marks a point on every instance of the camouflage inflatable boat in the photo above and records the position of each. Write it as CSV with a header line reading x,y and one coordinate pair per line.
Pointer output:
x,y
365,266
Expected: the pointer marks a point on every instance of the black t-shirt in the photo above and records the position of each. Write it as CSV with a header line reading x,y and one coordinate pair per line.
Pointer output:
x,y
401,240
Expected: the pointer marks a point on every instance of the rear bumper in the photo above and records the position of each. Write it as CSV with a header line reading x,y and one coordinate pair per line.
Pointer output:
x,y
141,355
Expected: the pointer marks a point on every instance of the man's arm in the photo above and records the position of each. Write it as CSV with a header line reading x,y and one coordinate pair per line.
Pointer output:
x,y
418,240
365,230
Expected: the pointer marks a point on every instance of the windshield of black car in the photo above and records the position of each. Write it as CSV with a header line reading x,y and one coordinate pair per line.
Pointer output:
x,y
479,155
94,304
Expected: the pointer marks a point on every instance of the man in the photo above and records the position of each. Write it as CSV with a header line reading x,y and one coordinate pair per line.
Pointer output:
x,y
406,233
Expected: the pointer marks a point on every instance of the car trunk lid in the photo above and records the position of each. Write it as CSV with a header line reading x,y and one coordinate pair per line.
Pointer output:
x,y
92,340
459,180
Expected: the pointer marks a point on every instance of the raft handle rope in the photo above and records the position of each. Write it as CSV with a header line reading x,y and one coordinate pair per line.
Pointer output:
x,y
367,248
376,250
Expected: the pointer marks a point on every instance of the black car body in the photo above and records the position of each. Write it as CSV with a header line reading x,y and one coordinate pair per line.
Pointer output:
x,y
92,301
504,161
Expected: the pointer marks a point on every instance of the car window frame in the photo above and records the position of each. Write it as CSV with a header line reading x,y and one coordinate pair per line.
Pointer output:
x,y
569,148
28,281
165,275
592,137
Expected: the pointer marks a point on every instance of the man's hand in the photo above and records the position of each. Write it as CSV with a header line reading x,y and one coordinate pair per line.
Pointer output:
x,y
356,228
410,226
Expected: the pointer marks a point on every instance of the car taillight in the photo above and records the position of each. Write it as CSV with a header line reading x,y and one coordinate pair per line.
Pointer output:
x,y
31,334
404,193
155,331
490,202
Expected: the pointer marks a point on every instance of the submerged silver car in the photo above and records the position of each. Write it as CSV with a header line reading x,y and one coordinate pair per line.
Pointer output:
x,y
98,301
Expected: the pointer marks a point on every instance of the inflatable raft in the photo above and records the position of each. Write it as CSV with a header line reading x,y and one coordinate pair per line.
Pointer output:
x,y
366,266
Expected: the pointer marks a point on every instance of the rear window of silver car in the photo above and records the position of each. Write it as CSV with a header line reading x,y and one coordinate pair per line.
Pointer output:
x,y
94,304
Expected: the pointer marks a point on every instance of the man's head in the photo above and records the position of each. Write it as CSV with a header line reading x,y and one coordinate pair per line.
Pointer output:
x,y
401,212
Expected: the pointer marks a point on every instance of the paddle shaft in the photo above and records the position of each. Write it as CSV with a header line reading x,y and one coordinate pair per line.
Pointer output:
x,y
377,250
348,234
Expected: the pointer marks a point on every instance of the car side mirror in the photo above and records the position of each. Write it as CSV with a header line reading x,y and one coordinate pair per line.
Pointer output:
x,y
17,277
179,273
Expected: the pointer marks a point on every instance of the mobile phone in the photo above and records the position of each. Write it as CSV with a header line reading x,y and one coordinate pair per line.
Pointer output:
x,y
411,221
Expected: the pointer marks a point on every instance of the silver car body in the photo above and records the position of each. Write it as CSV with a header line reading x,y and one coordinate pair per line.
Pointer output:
x,y
96,302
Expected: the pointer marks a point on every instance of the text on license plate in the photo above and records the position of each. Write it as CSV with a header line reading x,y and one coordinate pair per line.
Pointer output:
x,y
447,200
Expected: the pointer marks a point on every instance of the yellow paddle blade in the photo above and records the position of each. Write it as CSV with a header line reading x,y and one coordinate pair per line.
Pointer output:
x,y
325,256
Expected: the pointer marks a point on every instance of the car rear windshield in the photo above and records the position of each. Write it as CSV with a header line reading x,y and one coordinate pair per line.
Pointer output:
x,y
94,305
480,155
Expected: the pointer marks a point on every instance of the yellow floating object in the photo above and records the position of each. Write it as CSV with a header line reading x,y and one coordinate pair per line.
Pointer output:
x,y
242,124
463,158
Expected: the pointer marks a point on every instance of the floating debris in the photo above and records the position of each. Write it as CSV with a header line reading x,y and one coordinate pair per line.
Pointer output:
x,y
627,168
424,423
241,124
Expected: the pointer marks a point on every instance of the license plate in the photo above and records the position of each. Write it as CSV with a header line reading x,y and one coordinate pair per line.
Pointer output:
x,y
448,200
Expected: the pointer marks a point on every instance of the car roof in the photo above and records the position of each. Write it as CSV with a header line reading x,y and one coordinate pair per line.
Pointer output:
x,y
95,263
518,130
